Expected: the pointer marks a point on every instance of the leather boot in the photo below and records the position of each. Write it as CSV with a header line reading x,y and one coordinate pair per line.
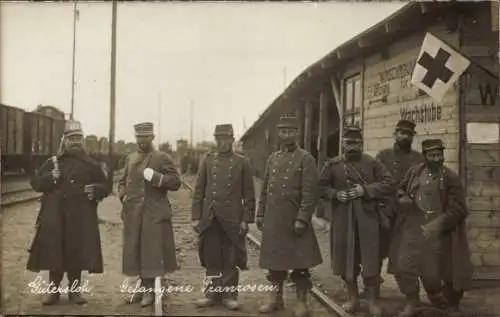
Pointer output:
x,y
53,297
373,305
74,294
411,307
365,293
274,300
206,302
148,298
301,309
437,300
352,303
231,303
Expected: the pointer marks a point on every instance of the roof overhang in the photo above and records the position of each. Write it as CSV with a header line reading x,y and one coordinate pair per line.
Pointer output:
x,y
398,25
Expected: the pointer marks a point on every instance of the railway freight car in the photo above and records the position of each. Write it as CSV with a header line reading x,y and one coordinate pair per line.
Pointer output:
x,y
29,138
12,138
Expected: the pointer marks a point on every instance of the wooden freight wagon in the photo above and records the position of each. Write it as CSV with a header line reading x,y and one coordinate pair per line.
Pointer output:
x,y
12,143
43,134
92,145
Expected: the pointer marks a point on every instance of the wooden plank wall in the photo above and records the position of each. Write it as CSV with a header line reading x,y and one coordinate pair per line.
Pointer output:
x,y
482,105
388,76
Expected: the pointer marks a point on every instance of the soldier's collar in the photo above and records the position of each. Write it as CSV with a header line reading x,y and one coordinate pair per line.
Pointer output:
x,y
289,149
229,153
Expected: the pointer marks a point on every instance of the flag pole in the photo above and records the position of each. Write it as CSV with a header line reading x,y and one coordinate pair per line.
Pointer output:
x,y
112,95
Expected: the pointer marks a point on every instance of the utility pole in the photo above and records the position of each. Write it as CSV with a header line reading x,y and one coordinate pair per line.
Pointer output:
x,y
159,120
191,133
75,16
284,77
112,95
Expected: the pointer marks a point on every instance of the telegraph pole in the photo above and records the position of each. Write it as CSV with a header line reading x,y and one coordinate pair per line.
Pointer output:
x,y
112,95
159,120
191,133
75,14
284,77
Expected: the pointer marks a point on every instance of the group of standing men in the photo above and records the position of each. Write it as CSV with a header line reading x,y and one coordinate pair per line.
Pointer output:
x,y
403,205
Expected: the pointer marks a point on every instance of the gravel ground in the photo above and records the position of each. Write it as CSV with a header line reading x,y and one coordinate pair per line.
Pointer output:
x,y
104,293
484,302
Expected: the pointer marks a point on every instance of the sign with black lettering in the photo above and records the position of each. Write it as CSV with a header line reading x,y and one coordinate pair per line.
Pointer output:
x,y
423,113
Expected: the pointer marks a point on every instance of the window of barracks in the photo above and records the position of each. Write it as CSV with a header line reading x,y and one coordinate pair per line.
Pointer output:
x,y
352,100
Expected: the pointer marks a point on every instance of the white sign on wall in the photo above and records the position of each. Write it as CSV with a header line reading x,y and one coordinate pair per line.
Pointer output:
x,y
483,133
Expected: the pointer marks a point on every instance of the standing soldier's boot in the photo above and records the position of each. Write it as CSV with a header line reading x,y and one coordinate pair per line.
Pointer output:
x,y
437,300
148,298
136,297
301,309
275,299
373,304
51,298
74,294
411,306
352,303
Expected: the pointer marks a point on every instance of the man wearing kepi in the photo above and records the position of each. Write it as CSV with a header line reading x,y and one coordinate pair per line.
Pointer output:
x,y
223,206
287,201
433,242
397,159
354,183
149,245
67,237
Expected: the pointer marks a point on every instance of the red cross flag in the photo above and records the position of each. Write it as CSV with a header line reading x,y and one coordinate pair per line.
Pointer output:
x,y
438,66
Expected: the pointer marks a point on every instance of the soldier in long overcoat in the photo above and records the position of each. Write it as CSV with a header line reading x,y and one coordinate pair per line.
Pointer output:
x,y
433,244
397,160
149,245
354,183
288,199
223,206
67,233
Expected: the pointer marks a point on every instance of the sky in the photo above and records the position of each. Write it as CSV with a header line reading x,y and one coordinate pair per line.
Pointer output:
x,y
229,60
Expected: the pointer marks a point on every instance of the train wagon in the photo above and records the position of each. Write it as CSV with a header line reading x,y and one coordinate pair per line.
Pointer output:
x,y
44,134
92,145
12,139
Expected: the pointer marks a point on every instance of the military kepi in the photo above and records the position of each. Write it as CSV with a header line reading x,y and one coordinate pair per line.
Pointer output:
x,y
406,125
73,128
352,133
432,144
144,129
224,129
288,120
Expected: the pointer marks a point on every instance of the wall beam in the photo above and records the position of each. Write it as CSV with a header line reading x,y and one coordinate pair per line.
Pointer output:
x,y
307,125
338,102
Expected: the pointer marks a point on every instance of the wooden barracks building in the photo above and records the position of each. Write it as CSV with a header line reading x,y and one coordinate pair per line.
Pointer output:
x,y
368,80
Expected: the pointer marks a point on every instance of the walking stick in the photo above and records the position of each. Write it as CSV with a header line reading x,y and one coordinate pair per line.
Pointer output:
x,y
158,297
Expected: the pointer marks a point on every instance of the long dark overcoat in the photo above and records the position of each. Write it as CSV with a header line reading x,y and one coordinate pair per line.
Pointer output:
x,y
379,184
149,245
289,192
455,257
225,189
397,162
67,235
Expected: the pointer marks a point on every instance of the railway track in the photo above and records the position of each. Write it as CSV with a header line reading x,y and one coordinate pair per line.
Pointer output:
x,y
24,193
334,308
18,196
